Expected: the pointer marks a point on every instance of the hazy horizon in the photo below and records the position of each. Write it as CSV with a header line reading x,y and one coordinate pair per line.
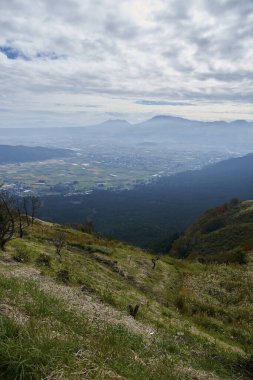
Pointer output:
x,y
132,123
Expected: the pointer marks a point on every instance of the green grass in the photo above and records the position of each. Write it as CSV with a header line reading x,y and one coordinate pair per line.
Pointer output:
x,y
57,341
201,315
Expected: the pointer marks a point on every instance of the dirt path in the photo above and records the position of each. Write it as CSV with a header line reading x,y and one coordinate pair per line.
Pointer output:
x,y
96,311
74,298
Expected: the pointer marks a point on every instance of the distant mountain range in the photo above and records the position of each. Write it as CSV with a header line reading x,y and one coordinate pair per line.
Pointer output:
x,y
168,120
234,136
169,131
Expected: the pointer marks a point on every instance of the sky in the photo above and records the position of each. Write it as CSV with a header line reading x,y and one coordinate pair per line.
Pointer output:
x,y
80,62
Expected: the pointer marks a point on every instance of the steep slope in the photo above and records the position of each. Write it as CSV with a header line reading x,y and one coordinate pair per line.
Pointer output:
x,y
222,234
67,317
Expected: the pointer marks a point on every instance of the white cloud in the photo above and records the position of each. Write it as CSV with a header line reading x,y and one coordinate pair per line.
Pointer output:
x,y
113,54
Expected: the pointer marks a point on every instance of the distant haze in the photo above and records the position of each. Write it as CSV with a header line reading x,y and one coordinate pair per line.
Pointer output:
x,y
169,133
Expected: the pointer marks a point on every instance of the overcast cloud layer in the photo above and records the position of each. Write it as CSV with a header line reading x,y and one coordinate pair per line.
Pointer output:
x,y
77,62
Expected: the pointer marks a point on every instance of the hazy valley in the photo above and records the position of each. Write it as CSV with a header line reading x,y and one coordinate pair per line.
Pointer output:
x,y
96,171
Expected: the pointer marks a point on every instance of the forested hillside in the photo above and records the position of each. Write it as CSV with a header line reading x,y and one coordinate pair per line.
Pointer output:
x,y
223,233
150,214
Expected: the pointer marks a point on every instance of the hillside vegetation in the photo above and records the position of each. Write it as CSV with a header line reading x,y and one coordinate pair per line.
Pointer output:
x,y
222,234
66,316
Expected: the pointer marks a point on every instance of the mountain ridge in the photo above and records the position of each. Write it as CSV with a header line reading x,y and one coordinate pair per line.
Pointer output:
x,y
173,118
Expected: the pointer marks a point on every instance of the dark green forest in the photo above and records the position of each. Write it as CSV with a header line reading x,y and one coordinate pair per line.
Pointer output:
x,y
149,215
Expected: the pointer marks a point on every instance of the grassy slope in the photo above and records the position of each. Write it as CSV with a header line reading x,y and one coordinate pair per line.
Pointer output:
x,y
195,320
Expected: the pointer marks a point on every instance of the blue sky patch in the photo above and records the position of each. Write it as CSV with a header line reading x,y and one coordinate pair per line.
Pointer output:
x,y
13,53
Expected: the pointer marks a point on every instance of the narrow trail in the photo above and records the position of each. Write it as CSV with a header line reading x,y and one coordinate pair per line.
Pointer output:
x,y
74,298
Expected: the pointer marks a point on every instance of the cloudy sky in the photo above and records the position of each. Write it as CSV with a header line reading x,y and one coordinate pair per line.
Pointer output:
x,y
78,62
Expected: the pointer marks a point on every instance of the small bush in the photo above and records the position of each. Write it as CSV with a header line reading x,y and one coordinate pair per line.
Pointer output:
x,y
44,260
182,247
246,366
133,310
240,256
107,297
63,276
180,303
99,249
235,256
88,288
22,255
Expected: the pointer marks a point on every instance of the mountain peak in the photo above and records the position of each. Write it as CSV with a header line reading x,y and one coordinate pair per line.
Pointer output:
x,y
239,122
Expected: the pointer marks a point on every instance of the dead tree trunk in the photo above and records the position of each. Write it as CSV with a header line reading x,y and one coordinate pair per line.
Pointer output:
x,y
154,260
7,220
